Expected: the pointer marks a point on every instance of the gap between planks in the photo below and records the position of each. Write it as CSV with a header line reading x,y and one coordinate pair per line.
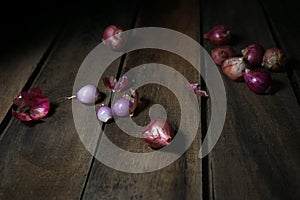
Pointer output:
x,y
39,66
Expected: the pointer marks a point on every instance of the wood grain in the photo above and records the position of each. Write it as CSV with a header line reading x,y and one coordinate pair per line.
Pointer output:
x,y
257,156
181,179
283,17
48,160
23,54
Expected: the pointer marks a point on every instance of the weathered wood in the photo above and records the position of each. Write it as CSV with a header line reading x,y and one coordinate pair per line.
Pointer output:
x,y
284,17
48,160
257,155
24,42
181,179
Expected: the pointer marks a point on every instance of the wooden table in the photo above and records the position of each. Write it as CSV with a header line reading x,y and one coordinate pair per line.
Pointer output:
x,y
256,157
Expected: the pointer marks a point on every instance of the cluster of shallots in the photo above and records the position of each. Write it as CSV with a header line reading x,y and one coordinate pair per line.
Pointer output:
x,y
158,133
254,65
33,105
125,106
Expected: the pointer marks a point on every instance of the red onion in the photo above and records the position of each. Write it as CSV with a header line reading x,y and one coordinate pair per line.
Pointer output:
x,y
221,53
31,105
253,54
258,80
158,134
113,37
104,113
274,59
126,105
234,67
218,35
88,94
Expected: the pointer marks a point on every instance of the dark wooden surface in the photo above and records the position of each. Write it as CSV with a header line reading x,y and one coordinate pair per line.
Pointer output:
x,y
257,153
256,157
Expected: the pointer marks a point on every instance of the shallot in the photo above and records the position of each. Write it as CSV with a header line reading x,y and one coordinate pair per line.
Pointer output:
x,y
121,107
258,80
104,113
113,37
274,59
126,105
253,54
221,53
218,35
234,67
87,94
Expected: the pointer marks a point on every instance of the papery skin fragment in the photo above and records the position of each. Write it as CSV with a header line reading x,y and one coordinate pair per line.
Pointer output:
x,y
195,87
31,105
113,85
158,134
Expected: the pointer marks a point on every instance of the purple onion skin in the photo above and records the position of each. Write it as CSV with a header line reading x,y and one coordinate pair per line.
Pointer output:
x,y
258,80
122,107
221,53
158,134
218,35
88,94
253,54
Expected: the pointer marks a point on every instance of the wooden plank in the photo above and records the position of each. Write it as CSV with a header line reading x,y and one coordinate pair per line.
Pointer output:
x,y
257,155
48,160
284,16
23,48
181,179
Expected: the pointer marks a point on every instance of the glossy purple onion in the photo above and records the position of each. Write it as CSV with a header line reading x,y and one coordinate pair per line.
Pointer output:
x,y
258,80
274,59
218,35
253,54
88,94
158,134
104,113
221,53
122,107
